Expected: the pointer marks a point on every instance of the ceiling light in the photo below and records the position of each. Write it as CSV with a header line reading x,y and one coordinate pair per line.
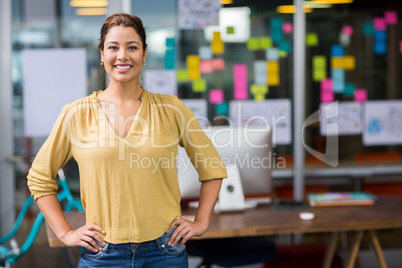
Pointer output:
x,y
316,4
333,1
89,3
91,11
226,2
291,9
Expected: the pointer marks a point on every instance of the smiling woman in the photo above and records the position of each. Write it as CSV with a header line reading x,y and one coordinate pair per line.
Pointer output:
x,y
132,211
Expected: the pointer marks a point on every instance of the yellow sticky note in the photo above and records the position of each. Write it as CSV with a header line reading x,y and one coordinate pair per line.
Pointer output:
x,y
193,61
253,44
259,97
217,47
319,75
194,74
258,89
272,66
182,75
337,63
349,62
283,54
273,79
199,85
311,39
265,42
216,36
320,62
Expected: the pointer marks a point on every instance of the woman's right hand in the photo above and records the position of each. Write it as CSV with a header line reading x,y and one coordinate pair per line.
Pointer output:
x,y
84,236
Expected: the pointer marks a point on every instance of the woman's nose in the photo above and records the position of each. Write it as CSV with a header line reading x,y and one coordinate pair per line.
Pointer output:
x,y
122,55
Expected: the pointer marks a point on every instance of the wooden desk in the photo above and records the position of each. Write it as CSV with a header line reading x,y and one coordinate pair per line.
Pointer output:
x,y
265,220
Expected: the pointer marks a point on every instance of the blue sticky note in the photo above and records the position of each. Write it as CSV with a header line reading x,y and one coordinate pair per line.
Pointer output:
x,y
169,42
368,28
349,89
170,59
380,48
338,74
338,78
276,24
380,35
284,45
277,36
222,108
337,50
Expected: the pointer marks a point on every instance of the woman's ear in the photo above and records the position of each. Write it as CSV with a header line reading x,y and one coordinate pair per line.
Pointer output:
x,y
145,54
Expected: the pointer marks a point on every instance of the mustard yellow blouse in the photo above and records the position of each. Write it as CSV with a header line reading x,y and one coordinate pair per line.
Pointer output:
x,y
128,185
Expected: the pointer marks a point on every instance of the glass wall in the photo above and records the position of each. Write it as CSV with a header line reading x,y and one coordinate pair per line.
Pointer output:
x,y
354,48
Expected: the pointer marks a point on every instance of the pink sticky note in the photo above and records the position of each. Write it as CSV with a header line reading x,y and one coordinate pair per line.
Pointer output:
x,y
240,89
327,85
347,30
327,96
391,17
218,64
216,96
206,67
287,27
240,93
379,23
360,95
240,71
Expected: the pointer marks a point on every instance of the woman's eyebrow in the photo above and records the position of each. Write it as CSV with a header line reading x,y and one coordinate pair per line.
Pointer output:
x,y
115,42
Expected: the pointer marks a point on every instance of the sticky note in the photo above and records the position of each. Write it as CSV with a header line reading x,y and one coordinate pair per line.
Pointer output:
x,y
205,52
344,40
347,30
194,74
349,89
336,62
368,28
217,47
240,71
199,85
218,64
216,36
379,23
283,54
319,68
222,108
360,95
258,89
284,45
216,96
240,81
265,42
230,30
206,67
260,66
276,24
272,54
170,59
276,35
380,35
287,27
327,85
319,61
260,79
319,75
169,42
338,79
273,79
337,51
182,75
327,97
311,39
273,66
349,63
391,17
253,44
193,62
380,48
259,97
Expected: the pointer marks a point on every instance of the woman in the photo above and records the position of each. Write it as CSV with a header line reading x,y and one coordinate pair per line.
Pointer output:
x,y
125,140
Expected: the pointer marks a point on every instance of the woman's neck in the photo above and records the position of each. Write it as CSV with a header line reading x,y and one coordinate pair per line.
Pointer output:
x,y
123,91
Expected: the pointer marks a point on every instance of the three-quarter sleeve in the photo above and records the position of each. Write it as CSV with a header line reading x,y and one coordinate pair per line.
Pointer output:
x,y
199,147
53,155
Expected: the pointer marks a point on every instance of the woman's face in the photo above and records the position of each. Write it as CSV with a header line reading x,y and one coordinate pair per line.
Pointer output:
x,y
123,54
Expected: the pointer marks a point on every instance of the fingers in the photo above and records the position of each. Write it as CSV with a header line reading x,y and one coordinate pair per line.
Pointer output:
x,y
183,231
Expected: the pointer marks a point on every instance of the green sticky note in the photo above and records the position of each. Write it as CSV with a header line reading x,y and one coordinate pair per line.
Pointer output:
x,y
259,97
319,75
283,54
319,62
258,89
368,28
182,75
230,30
199,85
253,44
311,39
222,108
349,89
265,42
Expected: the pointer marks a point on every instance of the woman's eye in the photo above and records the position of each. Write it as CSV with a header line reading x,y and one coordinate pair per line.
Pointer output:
x,y
132,48
113,48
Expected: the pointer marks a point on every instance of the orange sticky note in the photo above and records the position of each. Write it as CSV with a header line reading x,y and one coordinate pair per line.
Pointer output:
x,y
349,62
193,61
272,66
206,67
218,64
337,62
273,79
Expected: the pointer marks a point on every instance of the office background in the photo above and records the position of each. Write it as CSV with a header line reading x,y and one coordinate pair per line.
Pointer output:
x,y
353,55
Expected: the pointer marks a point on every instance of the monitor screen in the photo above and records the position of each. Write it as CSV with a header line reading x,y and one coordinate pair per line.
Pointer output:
x,y
247,147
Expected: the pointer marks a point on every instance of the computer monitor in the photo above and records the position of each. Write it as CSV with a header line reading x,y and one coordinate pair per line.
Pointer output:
x,y
248,147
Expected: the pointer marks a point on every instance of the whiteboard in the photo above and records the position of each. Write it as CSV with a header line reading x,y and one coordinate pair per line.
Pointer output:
x,y
51,79
277,113
341,118
196,14
382,122
199,109
161,81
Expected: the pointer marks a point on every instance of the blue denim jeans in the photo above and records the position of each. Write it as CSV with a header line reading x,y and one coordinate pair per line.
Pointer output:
x,y
152,254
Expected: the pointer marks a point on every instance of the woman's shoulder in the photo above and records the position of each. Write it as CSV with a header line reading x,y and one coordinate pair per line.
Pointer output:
x,y
85,102
163,98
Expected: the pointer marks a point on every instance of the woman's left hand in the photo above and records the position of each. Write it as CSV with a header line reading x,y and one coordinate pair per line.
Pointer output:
x,y
185,230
